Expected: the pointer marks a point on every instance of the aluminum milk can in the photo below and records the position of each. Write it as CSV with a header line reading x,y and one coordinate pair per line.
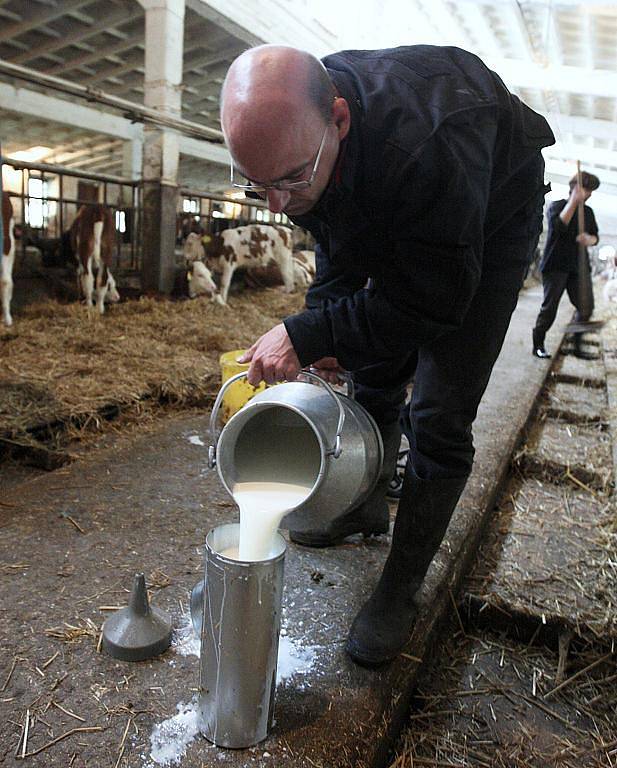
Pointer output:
x,y
306,434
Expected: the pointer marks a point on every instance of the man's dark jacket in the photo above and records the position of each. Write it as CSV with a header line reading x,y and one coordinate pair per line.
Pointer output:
x,y
439,157
561,249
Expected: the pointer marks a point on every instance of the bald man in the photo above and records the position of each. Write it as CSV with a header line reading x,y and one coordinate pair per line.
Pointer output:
x,y
420,177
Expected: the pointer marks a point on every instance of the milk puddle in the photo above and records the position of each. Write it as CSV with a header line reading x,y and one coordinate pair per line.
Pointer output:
x,y
293,659
195,440
184,640
171,738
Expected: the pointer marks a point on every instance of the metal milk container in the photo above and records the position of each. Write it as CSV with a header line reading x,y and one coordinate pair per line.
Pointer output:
x,y
297,432
240,627
305,434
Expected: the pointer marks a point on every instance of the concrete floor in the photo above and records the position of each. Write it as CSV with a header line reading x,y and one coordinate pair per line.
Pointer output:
x,y
73,539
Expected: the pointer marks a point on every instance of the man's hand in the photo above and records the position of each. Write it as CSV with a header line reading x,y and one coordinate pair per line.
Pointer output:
x,y
579,194
329,369
272,358
586,239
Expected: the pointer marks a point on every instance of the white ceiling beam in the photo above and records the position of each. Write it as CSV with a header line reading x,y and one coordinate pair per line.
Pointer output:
x,y
582,126
565,79
121,17
519,33
61,158
224,19
481,29
272,23
439,17
556,167
589,6
573,152
96,159
57,110
98,55
39,19
204,150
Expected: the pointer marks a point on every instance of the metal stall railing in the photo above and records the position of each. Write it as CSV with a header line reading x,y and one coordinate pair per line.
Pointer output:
x,y
201,212
49,197
205,213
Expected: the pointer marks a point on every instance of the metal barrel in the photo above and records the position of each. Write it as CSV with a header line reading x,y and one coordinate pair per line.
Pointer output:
x,y
239,641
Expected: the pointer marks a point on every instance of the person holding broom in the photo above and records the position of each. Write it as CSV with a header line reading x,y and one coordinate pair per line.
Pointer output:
x,y
561,266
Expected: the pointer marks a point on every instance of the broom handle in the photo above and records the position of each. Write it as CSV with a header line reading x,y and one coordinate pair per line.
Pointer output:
x,y
581,203
584,274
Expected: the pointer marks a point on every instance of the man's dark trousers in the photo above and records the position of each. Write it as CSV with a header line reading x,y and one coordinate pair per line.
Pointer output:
x,y
452,373
554,284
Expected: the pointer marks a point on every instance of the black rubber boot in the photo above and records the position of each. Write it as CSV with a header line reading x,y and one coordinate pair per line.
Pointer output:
x,y
538,345
579,351
384,623
372,517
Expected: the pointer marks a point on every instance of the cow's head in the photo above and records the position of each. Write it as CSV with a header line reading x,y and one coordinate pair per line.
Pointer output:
x,y
193,249
112,296
200,281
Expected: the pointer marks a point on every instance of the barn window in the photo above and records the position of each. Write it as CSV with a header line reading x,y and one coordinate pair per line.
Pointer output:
x,y
120,221
277,218
259,215
37,210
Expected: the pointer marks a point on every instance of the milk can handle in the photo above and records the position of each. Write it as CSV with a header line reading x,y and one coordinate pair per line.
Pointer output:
x,y
345,378
215,412
335,451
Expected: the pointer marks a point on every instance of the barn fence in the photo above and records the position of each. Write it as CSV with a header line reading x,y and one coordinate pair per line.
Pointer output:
x,y
46,199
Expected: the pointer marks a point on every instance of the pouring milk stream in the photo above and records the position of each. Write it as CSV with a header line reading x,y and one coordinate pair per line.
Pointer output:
x,y
262,507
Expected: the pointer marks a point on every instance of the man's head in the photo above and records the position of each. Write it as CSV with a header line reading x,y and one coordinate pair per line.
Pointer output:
x,y
589,182
278,109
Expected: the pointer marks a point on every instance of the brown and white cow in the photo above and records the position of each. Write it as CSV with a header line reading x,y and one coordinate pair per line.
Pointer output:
x,y
8,258
199,276
254,245
304,268
269,277
92,237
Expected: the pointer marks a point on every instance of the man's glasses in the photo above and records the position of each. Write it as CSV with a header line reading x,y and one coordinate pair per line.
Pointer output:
x,y
284,185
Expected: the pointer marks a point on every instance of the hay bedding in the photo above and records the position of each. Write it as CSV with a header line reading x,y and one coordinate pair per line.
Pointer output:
x,y
61,368
549,553
492,703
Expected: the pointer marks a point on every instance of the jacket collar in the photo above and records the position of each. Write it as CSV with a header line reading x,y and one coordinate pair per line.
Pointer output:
x,y
337,207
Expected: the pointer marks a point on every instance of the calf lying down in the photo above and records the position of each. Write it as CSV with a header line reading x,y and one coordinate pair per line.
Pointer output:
x,y
202,283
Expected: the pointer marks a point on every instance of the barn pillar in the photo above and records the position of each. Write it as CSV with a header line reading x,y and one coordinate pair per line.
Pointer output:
x,y
132,155
163,76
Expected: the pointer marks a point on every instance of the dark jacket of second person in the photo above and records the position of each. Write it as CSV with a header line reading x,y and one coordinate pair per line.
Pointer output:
x,y
561,249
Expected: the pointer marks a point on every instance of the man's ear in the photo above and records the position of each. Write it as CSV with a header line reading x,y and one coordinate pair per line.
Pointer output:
x,y
341,116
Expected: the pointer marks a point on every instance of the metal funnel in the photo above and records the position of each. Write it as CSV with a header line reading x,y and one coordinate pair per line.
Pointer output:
x,y
139,631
